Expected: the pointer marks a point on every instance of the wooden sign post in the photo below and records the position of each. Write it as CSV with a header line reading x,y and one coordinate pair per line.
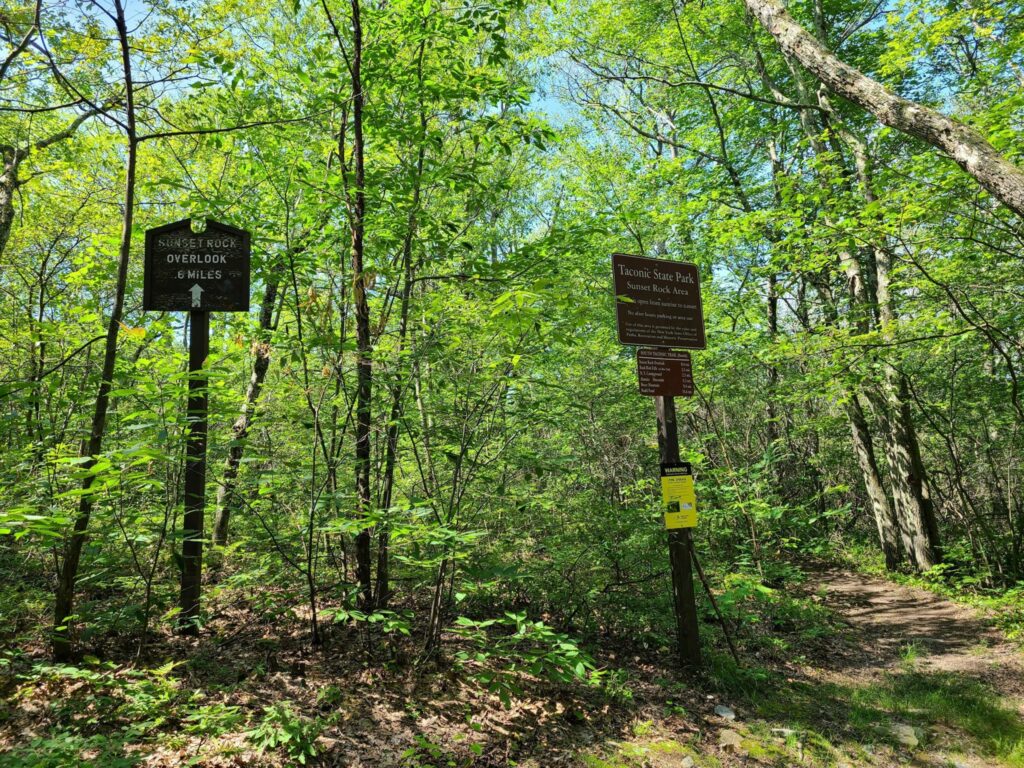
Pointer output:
x,y
198,273
680,545
195,472
658,304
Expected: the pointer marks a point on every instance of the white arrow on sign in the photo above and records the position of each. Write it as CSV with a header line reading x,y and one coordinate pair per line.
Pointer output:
x,y
197,292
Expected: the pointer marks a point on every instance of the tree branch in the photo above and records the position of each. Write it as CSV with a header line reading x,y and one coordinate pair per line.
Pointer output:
x,y
20,47
966,146
228,129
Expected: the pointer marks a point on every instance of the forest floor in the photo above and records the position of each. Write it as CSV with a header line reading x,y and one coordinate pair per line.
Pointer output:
x,y
908,679
864,673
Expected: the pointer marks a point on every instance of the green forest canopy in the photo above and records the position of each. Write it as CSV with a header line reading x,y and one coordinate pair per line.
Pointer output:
x,y
426,415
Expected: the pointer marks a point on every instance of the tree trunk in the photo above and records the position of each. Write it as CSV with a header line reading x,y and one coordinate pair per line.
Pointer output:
x,y
435,618
13,156
921,536
968,148
911,501
772,421
364,372
227,500
910,494
91,448
383,589
885,518
922,530
8,185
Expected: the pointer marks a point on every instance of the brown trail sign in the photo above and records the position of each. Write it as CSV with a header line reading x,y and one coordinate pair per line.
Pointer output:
x,y
658,304
206,271
664,372
198,273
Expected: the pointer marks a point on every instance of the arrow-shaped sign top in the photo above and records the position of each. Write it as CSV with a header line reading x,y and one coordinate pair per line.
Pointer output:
x,y
197,292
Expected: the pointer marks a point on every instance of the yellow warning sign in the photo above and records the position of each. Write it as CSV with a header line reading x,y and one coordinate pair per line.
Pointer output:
x,y
678,498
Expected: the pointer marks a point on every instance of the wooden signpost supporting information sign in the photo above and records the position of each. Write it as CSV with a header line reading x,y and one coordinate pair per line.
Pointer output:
x,y
198,273
658,305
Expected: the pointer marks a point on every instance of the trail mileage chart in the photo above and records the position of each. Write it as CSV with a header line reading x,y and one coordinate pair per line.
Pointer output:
x,y
188,271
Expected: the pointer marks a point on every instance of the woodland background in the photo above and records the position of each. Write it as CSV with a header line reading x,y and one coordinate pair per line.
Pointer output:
x,y
426,445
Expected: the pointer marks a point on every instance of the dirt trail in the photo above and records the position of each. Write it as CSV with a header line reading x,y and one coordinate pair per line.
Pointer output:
x,y
944,636
909,679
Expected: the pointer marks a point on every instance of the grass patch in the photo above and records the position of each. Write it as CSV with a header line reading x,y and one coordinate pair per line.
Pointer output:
x,y
834,717
942,698
648,753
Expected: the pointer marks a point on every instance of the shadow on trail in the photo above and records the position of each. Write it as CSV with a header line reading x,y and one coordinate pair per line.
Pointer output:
x,y
888,622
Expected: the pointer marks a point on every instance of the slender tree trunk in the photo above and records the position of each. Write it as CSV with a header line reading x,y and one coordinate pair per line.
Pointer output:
x,y
312,557
772,425
436,603
922,526
434,621
968,148
893,437
909,492
227,499
921,540
364,372
91,448
8,186
12,156
382,591
885,518
901,471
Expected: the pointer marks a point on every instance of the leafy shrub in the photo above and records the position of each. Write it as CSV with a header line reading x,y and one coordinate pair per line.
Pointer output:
x,y
755,606
521,647
282,728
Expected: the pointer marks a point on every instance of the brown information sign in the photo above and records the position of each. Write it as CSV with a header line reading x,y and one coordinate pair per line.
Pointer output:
x,y
657,302
664,373
190,271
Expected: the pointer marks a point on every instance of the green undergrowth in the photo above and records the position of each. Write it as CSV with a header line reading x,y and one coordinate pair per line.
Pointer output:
x,y
103,713
772,617
659,752
784,634
98,713
952,701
